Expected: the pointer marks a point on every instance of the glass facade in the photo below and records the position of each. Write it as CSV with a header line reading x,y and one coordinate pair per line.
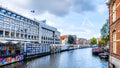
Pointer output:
x,y
50,36
16,26
47,36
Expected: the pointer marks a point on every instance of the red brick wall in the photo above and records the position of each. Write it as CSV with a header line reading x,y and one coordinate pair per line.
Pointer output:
x,y
115,26
118,9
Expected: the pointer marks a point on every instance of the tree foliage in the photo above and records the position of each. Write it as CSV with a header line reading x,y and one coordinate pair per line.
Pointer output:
x,y
93,41
70,39
105,30
103,41
104,34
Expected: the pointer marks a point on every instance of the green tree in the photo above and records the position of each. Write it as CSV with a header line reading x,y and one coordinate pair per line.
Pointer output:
x,y
105,31
100,43
93,41
104,34
70,39
105,40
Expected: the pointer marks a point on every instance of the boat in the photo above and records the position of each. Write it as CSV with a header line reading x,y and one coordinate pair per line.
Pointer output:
x,y
10,52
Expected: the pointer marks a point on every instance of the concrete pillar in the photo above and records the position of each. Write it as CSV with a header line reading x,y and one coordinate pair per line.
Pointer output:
x,y
27,36
54,37
20,33
15,33
10,31
3,32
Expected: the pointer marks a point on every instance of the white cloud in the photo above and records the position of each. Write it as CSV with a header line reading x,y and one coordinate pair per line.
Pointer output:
x,y
51,10
56,7
87,22
97,35
102,8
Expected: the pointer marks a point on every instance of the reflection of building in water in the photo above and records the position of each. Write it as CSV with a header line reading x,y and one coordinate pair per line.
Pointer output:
x,y
15,65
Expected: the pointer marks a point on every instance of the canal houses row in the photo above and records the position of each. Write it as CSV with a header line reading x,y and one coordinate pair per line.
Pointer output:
x,y
17,33
114,18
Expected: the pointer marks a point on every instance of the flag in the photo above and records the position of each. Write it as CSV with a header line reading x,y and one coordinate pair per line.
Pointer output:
x,y
33,11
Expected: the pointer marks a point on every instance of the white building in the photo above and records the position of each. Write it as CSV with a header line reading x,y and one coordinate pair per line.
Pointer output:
x,y
15,27
49,34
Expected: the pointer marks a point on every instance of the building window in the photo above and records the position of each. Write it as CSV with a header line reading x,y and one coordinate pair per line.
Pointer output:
x,y
1,25
17,35
1,33
12,27
6,34
114,12
12,34
114,42
1,17
7,26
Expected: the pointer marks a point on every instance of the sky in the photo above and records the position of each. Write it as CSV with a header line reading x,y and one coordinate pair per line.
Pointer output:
x,y
83,18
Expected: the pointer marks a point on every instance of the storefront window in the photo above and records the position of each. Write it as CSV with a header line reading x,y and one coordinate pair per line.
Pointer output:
x,y
12,34
17,35
26,36
1,33
6,34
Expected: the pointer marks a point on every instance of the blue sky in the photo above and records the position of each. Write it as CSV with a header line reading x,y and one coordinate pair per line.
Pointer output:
x,y
83,18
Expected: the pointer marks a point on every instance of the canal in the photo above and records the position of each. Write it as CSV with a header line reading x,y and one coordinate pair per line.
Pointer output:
x,y
80,58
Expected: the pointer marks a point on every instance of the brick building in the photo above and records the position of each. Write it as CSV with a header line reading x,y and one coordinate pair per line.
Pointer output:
x,y
82,41
114,18
64,39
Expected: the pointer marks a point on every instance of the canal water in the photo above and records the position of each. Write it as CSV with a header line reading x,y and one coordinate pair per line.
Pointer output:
x,y
80,58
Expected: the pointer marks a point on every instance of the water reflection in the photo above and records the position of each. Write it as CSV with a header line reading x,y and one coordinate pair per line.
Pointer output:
x,y
81,58
14,65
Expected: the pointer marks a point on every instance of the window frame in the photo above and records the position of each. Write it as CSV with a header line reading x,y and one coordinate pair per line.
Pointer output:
x,y
114,12
114,42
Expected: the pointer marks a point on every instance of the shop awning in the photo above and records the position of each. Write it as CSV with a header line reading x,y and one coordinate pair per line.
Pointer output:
x,y
4,41
15,42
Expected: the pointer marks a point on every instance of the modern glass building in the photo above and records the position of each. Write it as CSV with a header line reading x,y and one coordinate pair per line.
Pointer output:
x,y
49,35
15,27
